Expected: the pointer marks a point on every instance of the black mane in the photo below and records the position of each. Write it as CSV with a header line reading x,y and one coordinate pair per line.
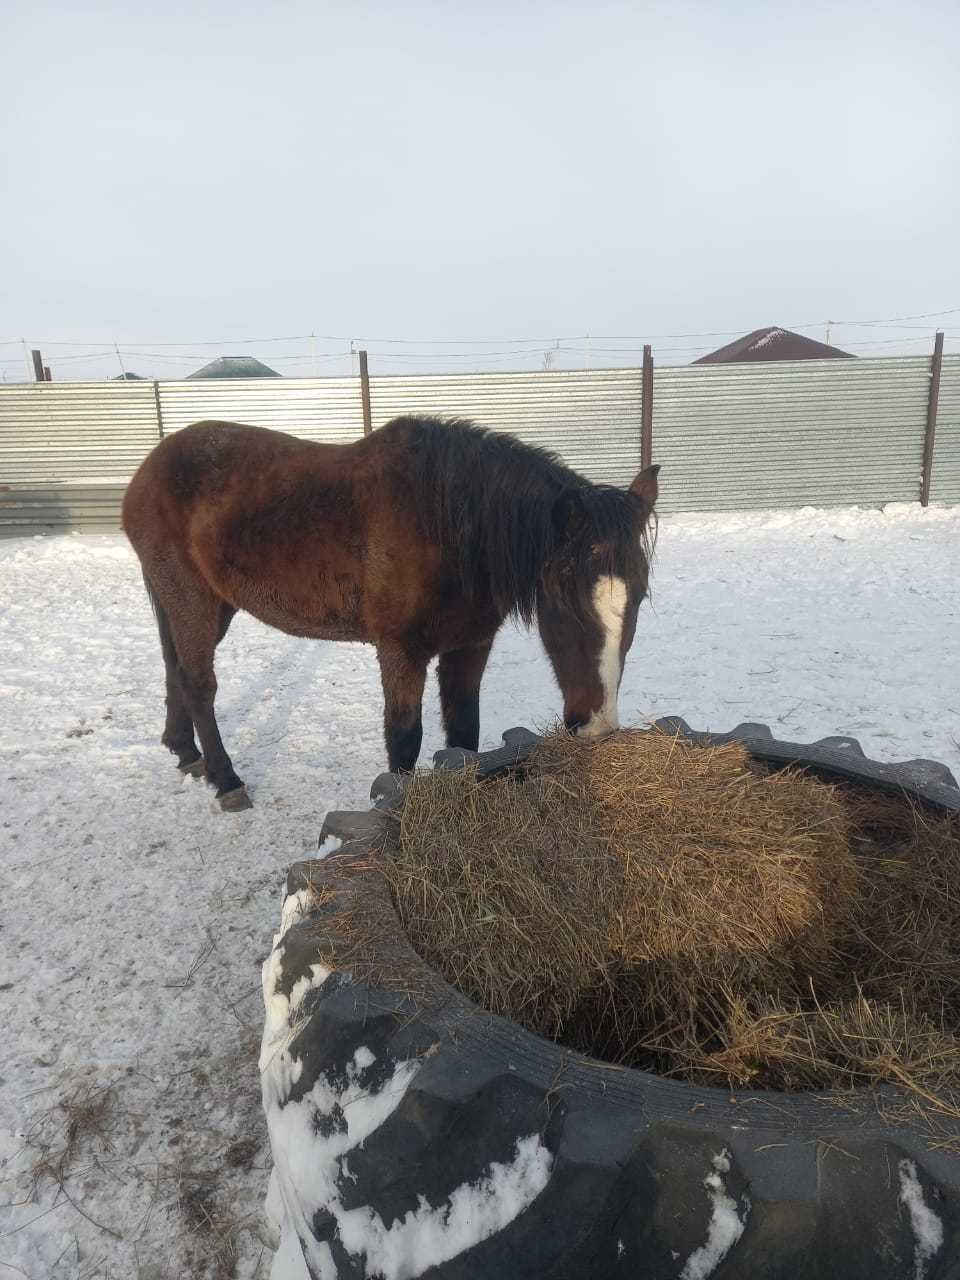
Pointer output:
x,y
502,510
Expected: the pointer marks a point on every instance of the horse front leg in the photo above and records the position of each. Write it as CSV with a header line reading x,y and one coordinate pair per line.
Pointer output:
x,y
459,673
403,672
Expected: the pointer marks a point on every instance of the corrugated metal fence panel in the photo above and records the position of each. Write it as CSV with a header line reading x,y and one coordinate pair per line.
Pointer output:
x,y
945,477
92,508
728,436
789,434
326,409
54,434
590,418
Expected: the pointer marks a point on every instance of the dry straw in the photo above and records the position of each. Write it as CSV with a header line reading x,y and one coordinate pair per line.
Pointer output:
x,y
679,908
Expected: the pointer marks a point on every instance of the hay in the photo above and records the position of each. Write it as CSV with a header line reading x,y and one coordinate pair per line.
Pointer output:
x,y
681,909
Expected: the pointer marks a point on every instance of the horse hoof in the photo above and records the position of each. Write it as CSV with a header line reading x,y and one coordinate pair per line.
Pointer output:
x,y
235,801
195,769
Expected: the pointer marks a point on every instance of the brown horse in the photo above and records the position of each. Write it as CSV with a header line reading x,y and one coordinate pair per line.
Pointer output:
x,y
420,539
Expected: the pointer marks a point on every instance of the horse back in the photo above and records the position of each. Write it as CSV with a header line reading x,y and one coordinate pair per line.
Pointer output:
x,y
312,538
250,484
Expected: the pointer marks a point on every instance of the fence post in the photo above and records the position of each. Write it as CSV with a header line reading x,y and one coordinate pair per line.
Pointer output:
x,y
365,394
156,401
646,409
930,434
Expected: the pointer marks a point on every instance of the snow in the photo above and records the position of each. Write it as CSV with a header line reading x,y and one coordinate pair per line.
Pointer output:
x,y
363,1059
311,1160
136,915
330,844
310,1169
725,1227
474,1211
767,339
927,1227
309,1172
279,1008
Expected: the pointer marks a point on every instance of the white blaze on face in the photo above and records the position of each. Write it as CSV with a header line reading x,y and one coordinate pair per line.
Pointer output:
x,y
610,603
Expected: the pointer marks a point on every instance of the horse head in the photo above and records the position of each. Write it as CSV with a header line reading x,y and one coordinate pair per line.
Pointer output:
x,y
591,590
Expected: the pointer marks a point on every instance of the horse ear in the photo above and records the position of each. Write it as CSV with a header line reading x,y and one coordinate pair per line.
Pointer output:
x,y
645,487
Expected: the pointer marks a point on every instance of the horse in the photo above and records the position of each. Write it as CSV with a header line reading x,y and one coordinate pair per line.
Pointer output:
x,y
421,539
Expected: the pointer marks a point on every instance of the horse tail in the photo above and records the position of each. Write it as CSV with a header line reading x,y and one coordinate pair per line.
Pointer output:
x,y
163,622
158,609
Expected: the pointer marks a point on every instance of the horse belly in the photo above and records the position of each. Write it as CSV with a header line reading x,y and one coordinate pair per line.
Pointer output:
x,y
333,614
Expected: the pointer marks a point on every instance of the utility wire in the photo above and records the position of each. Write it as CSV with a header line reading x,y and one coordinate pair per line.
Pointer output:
x,y
312,337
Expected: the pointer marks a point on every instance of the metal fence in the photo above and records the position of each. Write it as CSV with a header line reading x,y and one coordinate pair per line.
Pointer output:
x,y
326,409
728,436
67,450
590,418
945,472
792,433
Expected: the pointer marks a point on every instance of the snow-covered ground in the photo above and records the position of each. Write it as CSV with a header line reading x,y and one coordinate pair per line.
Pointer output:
x,y
135,915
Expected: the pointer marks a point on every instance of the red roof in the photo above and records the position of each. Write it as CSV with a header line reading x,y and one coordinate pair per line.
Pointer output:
x,y
774,343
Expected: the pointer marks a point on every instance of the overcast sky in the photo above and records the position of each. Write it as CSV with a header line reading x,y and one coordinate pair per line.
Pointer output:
x,y
201,173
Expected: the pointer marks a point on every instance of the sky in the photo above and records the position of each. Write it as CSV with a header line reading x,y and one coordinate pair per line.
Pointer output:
x,y
486,182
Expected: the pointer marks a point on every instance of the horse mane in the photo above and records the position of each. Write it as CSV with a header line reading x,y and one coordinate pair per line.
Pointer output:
x,y
501,510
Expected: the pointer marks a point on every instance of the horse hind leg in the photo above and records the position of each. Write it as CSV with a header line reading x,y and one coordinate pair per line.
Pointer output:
x,y
177,734
178,730
197,620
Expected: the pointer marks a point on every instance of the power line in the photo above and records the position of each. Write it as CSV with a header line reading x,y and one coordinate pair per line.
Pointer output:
x,y
505,350
190,357
928,315
354,338
200,342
